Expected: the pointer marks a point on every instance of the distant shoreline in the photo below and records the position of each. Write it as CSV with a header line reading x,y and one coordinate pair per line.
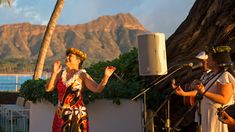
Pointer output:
x,y
12,82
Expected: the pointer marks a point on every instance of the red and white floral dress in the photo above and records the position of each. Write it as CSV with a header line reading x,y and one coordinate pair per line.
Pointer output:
x,y
70,115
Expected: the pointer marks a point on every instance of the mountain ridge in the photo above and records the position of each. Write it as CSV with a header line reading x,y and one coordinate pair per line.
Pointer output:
x,y
104,38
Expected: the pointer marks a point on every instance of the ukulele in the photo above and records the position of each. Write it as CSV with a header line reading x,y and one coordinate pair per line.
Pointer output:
x,y
187,100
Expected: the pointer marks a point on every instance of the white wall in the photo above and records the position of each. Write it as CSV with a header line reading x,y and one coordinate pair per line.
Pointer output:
x,y
104,116
41,117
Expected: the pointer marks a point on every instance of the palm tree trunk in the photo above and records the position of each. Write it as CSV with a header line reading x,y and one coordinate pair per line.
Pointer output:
x,y
47,39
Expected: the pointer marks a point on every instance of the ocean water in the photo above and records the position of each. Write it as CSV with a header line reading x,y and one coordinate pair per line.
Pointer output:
x,y
13,82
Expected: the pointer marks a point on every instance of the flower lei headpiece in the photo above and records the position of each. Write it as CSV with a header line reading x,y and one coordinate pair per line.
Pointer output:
x,y
77,52
220,49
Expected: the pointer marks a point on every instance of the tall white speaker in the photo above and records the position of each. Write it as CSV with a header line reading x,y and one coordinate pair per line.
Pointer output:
x,y
152,54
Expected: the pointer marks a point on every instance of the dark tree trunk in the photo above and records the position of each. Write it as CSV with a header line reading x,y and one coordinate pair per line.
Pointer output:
x,y
209,23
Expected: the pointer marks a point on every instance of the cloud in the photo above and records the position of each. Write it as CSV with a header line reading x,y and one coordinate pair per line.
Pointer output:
x,y
163,16
24,11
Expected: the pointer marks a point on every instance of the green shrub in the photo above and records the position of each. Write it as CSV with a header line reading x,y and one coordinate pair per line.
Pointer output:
x,y
126,88
34,90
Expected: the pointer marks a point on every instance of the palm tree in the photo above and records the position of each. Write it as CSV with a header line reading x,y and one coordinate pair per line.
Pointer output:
x,y
8,2
47,39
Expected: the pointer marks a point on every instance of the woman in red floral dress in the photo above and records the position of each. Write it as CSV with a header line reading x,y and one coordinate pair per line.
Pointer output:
x,y
71,115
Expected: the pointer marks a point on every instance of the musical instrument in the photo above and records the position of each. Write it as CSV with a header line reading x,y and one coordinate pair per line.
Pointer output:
x,y
220,111
198,95
188,100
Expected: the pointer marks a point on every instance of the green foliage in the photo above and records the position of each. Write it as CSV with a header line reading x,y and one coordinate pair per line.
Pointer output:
x,y
6,2
127,87
34,90
220,49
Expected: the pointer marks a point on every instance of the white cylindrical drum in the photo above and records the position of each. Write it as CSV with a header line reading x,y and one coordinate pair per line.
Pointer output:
x,y
152,54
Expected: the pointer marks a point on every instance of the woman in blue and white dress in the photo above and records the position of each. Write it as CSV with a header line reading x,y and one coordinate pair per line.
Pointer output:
x,y
219,90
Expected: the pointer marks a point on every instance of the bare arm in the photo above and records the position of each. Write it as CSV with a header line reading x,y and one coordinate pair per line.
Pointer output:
x,y
92,85
223,96
54,76
181,92
190,93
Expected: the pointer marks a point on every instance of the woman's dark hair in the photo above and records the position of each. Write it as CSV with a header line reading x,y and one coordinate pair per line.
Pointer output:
x,y
221,55
222,58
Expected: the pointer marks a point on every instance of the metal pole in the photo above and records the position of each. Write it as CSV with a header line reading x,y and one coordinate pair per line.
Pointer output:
x,y
168,121
11,120
145,112
16,83
155,83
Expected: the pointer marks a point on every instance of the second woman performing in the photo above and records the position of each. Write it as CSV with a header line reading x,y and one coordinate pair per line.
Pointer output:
x,y
218,91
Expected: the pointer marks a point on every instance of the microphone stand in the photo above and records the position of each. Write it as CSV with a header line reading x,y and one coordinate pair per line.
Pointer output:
x,y
198,98
144,101
167,122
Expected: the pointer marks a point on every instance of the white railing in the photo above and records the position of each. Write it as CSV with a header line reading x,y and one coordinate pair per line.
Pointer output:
x,y
15,117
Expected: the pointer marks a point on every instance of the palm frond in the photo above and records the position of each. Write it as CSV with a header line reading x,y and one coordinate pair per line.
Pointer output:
x,y
6,2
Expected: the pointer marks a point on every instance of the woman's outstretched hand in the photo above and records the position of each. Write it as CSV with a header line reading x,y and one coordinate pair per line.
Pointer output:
x,y
57,67
109,70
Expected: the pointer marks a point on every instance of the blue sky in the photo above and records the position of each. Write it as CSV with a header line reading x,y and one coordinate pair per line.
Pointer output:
x,y
156,15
